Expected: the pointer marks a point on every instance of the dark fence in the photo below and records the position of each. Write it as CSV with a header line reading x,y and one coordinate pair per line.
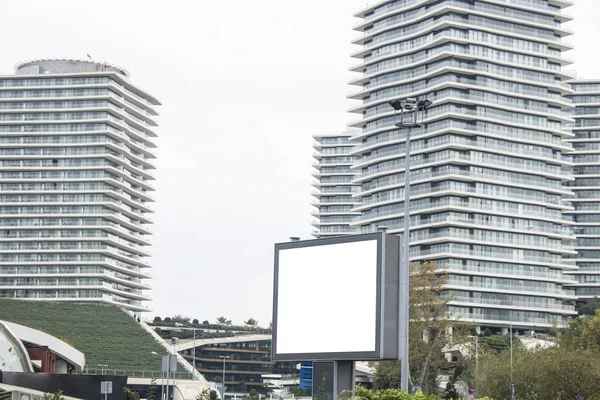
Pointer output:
x,y
80,386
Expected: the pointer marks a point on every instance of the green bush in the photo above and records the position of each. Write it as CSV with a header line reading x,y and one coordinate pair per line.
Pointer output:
x,y
395,394
390,394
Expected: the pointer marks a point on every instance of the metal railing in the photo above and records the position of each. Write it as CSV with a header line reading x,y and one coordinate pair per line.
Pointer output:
x,y
138,373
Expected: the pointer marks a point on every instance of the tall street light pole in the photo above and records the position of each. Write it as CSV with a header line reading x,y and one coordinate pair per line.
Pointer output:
x,y
476,360
194,352
162,377
512,385
194,356
223,381
194,371
174,343
412,108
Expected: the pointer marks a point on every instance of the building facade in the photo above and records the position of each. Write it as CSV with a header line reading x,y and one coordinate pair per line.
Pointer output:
x,y
245,361
490,165
76,154
334,201
586,203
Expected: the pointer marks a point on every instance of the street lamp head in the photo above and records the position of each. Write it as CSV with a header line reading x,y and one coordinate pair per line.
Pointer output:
x,y
410,104
423,104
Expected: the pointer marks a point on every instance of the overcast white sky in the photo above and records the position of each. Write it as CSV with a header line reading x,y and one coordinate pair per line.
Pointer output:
x,y
244,86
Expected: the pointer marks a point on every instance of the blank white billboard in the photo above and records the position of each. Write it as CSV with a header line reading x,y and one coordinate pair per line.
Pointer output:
x,y
327,298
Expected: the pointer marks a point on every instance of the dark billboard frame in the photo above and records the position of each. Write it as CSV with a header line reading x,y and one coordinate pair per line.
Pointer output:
x,y
387,300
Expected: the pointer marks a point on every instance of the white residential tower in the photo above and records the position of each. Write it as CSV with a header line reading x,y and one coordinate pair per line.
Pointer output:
x,y
76,154
489,168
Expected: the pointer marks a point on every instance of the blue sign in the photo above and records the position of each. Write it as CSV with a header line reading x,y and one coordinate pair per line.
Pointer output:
x,y
306,375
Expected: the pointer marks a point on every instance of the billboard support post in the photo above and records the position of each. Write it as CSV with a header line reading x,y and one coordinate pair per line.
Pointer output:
x,y
333,380
344,379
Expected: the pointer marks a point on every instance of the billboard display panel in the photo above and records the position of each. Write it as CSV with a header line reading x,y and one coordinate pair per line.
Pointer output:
x,y
328,298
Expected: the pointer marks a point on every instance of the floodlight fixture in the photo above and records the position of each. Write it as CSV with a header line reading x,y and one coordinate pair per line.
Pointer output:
x,y
396,105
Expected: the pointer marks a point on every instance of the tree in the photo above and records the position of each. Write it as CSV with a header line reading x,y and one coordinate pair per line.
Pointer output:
x,y
296,391
222,321
559,372
195,321
588,307
551,373
253,395
431,331
582,334
251,322
205,322
157,319
131,395
152,390
321,387
206,394
451,393
181,319
389,394
58,395
387,375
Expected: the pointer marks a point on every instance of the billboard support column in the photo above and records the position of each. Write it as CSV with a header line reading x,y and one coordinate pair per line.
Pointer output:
x,y
333,380
344,379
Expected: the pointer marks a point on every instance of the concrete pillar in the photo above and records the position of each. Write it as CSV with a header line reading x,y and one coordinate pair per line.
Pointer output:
x,y
505,331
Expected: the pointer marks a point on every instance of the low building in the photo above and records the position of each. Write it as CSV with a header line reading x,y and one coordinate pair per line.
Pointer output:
x,y
244,360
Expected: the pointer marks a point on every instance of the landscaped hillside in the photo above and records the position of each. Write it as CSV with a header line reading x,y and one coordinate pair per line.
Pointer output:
x,y
105,334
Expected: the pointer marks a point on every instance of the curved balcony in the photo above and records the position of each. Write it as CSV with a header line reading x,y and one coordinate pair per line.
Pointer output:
x,y
378,21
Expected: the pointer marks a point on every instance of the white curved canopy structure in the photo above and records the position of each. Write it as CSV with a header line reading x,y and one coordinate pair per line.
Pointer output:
x,y
14,356
39,338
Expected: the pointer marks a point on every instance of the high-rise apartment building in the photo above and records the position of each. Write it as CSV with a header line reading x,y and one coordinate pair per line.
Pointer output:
x,y
76,150
334,188
489,167
586,203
